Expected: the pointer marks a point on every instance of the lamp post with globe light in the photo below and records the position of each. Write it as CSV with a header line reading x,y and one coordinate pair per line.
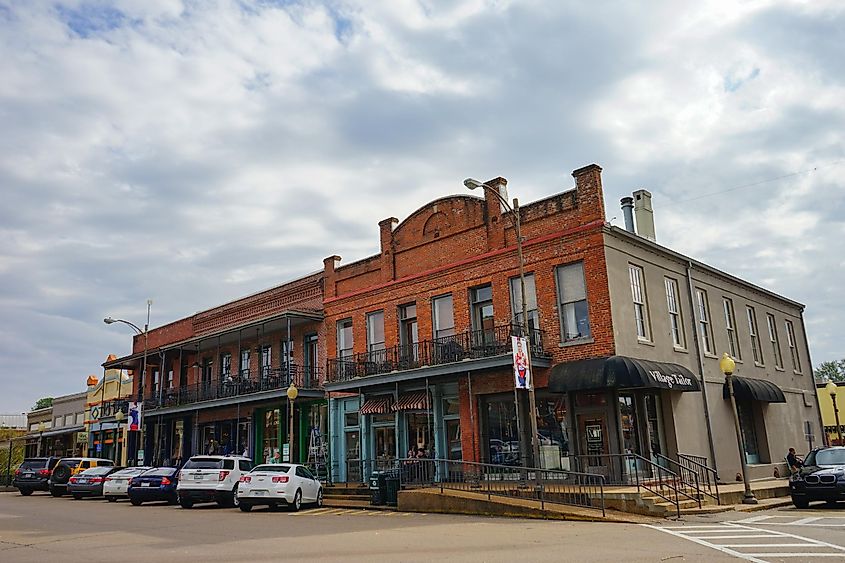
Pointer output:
x,y
292,393
831,388
728,366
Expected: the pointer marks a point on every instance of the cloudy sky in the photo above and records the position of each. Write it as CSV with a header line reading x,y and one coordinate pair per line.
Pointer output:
x,y
194,151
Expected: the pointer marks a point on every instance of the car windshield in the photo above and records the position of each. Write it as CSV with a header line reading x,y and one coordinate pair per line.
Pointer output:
x,y
34,464
203,463
160,472
97,471
826,457
271,468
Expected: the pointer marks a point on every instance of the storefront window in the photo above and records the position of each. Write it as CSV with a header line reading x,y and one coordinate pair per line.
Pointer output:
x,y
271,436
502,437
350,419
385,442
419,435
628,416
453,439
654,418
553,428
451,405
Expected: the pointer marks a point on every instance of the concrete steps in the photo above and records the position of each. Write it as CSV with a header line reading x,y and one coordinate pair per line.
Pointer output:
x,y
347,496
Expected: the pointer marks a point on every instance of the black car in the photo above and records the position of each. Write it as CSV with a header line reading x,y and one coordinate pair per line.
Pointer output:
x,y
821,478
156,484
33,474
89,483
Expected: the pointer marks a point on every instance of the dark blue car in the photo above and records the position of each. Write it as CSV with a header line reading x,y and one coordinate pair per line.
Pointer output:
x,y
157,484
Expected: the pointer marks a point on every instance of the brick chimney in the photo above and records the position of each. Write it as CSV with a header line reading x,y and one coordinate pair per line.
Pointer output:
x,y
329,277
388,269
495,222
589,192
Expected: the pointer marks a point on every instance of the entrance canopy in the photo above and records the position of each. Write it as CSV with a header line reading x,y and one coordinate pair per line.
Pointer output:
x,y
380,404
415,400
620,372
750,389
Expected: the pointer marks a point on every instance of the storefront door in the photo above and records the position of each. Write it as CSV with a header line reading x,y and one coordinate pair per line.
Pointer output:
x,y
592,428
654,421
502,438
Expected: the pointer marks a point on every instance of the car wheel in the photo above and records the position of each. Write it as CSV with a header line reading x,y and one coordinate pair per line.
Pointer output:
x,y
800,502
236,502
77,497
56,492
245,507
26,492
111,499
136,502
185,503
320,498
297,501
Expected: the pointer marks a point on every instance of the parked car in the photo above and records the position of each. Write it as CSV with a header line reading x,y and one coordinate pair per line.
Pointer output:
x,y
117,483
90,482
211,478
158,483
33,474
67,467
277,485
821,478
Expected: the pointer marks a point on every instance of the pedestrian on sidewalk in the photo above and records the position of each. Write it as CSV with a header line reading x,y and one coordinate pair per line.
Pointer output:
x,y
795,463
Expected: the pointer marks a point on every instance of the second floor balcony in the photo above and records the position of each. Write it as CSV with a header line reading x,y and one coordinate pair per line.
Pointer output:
x,y
469,345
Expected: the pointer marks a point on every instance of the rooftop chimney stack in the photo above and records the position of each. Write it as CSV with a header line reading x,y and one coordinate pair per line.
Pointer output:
x,y
628,212
644,214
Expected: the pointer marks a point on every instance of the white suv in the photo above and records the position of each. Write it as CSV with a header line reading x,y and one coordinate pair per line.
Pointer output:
x,y
211,478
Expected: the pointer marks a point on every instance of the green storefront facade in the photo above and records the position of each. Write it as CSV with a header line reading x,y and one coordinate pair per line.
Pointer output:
x,y
271,423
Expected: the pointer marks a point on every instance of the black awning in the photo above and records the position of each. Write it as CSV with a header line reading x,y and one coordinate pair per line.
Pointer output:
x,y
620,372
750,389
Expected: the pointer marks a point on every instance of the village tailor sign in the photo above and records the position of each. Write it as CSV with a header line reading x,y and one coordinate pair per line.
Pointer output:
x,y
671,380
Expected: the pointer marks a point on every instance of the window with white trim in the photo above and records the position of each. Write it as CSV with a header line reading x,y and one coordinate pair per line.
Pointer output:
x,y
756,351
572,297
444,316
730,328
793,349
773,338
673,303
375,331
635,273
530,302
344,338
704,321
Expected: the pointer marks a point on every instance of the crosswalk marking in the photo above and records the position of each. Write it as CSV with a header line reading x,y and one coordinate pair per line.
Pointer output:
x,y
792,520
713,536
326,511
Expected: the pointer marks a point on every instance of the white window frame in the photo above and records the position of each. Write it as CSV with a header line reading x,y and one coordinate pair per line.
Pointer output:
x,y
676,321
793,347
756,350
345,349
530,305
439,329
638,296
774,340
564,300
373,320
704,322
730,328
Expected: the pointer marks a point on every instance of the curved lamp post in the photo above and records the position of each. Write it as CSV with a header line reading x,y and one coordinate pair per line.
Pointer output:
x,y
728,366
472,184
831,389
292,393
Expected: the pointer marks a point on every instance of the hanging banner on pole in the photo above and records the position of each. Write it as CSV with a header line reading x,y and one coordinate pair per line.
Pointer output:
x,y
521,369
134,418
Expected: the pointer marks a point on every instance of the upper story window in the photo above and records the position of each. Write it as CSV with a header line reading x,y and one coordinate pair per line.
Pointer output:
x,y
225,365
704,321
57,422
483,322
266,359
206,371
244,367
572,297
773,338
444,316
156,377
286,354
408,333
80,418
730,327
375,331
344,338
635,273
170,378
530,302
756,351
673,303
310,352
793,349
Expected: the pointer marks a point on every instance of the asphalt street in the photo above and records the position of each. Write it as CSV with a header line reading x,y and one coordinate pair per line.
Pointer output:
x,y
40,528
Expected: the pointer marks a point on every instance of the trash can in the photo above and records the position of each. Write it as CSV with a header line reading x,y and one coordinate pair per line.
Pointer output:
x,y
391,488
377,488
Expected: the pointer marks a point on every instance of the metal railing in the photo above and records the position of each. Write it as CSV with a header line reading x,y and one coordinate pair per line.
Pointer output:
x,y
707,478
688,479
236,385
468,345
553,486
636,471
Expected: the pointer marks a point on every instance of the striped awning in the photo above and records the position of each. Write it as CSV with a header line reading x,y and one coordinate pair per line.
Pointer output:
x,y
379,404
413,401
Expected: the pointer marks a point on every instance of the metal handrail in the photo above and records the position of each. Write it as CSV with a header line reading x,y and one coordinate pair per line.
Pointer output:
x,y
705,473
689,479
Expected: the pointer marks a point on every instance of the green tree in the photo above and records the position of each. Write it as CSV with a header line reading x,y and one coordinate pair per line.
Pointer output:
x,y
43,403
830,371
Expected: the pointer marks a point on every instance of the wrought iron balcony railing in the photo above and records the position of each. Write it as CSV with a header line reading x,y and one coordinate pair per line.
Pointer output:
x,y
473,344
236,385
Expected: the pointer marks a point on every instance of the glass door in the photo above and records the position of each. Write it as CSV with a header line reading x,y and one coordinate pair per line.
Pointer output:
x,y
654,420
749,432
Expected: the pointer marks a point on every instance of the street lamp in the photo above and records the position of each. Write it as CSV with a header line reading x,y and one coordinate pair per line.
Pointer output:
x,y
145,332
472,184
40,435
831,388
728,365
118,434
292,393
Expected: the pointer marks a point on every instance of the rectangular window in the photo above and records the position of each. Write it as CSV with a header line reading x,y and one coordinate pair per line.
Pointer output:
x,y
793,349
755,341
286,355
483,321
530,302
266,360
773,338
225,365
704,321
206,371
80,418
635,273
344,338
730,327
244,367
375,331
57,422
444,316
68,420
673,303
170,379
572,298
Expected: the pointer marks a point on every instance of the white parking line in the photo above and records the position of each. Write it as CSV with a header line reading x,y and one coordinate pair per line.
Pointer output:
x,y
712,536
